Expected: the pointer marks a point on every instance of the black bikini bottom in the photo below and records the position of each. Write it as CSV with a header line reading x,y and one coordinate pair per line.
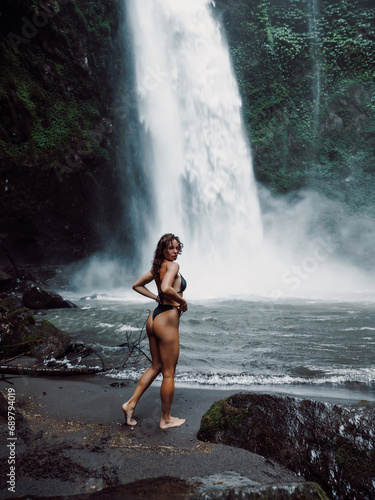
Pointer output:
x,y
162,308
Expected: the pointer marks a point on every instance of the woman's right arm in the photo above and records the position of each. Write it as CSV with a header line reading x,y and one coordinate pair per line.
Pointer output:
x,y
139,286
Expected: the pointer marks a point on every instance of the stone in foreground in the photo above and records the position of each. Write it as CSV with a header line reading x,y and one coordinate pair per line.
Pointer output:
x,y
225,486
329,444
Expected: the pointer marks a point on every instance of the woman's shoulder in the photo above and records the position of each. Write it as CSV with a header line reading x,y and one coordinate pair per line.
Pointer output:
x,y
171,266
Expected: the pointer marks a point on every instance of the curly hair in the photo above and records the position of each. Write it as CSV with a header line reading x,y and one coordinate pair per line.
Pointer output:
x,y
159,254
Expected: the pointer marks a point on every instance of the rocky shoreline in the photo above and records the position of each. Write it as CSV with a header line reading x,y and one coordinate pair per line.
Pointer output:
x,y
327,443
72,442
23,297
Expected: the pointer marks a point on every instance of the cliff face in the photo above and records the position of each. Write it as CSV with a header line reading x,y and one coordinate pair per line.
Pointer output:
x,y
306,75
56,133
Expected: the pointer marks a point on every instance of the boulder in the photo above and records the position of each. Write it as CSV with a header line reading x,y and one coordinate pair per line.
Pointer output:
x,y
41,297
20,333
224,487
52,342
10,304
15,334
5,280
330,444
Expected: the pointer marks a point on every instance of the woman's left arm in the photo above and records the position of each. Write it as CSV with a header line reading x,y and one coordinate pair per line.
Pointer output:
x,y
139,286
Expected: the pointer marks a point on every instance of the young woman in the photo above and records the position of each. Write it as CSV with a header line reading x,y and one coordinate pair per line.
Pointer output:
x,y
162,328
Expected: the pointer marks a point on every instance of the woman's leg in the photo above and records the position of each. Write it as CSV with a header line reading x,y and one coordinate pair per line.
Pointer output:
x,y
166,330
147,377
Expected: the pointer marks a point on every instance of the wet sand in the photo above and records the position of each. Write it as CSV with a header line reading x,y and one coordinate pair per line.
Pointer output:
x,y
75,440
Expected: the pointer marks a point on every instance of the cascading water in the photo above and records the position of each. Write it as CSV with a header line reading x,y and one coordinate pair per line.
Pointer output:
x,y
189,105
196,180
200,185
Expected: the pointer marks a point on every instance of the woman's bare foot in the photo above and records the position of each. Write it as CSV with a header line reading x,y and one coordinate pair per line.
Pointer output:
x,y
128,411
171,422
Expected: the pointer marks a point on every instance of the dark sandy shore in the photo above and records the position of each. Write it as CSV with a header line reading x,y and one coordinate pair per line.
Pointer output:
x,y
74,439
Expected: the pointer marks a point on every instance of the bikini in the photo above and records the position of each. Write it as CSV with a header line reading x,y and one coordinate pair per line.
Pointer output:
x,y
167,307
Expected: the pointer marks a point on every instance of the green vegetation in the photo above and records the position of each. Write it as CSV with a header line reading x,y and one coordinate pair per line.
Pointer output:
x,y
306,75
53,85
223,416
55,96
354,462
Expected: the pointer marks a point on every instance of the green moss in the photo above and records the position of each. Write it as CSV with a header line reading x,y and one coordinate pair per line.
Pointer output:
x,y
354,462
49,99
31,340
47,324
277,49
20,319
222,416
54,92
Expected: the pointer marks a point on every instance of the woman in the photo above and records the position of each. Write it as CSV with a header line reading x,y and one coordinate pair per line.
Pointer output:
x,y
162,328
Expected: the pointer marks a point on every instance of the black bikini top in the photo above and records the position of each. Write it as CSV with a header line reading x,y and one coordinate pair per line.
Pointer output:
x,y
183,284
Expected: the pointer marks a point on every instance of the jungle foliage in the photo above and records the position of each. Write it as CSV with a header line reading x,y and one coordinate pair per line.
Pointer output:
x,y
306,73
56,104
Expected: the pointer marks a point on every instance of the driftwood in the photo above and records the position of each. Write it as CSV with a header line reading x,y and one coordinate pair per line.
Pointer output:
x,y
38,370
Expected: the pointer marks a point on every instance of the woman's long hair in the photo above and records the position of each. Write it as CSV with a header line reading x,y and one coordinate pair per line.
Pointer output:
x,y
159,256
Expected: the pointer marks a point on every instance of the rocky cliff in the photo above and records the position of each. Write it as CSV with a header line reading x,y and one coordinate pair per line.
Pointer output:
x,y
57,134
306,75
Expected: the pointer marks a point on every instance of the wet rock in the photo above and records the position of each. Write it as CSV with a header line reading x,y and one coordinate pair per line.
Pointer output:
x,y
21,333
5,280
40,297
207,488
10,304
287,491
52,342
330,444
16,337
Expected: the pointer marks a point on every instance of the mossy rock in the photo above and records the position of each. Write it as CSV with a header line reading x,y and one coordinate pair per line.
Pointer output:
x,y
20,333
16,337
220,417
52,342
21,318
10,304
329,444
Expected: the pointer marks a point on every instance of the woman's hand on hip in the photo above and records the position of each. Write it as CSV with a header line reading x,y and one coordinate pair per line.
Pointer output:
x,y
183,307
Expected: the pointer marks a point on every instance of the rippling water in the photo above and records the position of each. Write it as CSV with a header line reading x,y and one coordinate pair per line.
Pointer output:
x,y
324,346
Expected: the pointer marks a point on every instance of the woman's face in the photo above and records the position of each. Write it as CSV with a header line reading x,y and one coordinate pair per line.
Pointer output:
x,y
171,252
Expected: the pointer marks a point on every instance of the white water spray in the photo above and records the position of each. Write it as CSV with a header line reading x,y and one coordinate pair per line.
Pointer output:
x,y
200,160
202,176
202,180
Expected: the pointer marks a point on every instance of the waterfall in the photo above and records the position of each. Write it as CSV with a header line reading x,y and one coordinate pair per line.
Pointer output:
x,y
190,109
